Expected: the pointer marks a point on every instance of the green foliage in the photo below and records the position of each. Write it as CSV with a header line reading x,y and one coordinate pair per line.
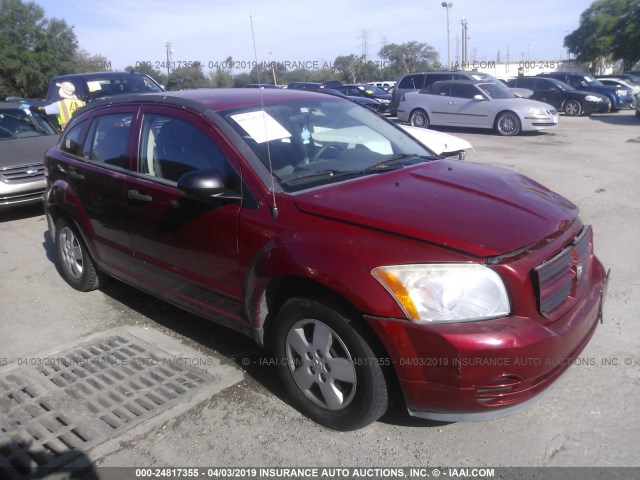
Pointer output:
x,y
609,29
408,57
147,69
187,77
32,48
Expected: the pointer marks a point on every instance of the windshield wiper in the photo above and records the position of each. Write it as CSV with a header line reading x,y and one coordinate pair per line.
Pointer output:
x,y
400,158
323,173
380,167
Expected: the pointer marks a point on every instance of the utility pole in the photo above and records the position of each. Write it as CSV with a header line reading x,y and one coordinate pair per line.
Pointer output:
x,y
447,6
465,45
169,52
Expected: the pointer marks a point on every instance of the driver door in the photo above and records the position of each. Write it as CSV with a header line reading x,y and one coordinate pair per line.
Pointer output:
x,y
185,247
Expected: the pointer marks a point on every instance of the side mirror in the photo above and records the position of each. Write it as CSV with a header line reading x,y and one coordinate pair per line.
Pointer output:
x,y
206,183
478,97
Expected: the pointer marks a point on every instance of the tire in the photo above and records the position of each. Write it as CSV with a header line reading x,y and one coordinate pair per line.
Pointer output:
x,y
419,118
327,366
572,108
74,261
508,124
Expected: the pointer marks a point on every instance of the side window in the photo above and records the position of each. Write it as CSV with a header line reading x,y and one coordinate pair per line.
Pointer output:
x,y
463,91
171,147
108,140
72,137
530,83
432,78
544,85
413,82
442,90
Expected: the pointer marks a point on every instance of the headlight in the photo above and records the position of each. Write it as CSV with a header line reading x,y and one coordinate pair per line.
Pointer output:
x,y
382,100
621,93
445,292
537,111
593,98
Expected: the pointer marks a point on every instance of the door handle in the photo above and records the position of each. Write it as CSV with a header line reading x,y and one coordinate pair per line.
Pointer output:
x,y
138,197
75,175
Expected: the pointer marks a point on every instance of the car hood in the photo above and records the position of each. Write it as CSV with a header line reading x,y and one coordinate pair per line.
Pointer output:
x,y
521,103
437,141
25,150
477,209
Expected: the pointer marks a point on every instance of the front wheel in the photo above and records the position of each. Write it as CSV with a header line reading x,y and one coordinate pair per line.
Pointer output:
x,y
508,124
419,118
572,108
328,367
74,260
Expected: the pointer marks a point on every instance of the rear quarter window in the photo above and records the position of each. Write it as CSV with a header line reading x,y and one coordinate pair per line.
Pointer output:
x,y
412,82
72,140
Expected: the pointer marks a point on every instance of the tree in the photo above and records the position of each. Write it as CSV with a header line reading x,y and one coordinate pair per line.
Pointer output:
x,y
146,68
408,57
187,77
609,29
33,49
83,61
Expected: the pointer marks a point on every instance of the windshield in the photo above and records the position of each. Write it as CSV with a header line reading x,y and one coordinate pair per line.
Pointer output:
x,y
373,90
496,90
311,142
592,81
561,85
484,77
21,122
116,85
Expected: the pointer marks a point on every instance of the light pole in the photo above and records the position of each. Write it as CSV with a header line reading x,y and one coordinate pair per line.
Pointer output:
x,y
447,6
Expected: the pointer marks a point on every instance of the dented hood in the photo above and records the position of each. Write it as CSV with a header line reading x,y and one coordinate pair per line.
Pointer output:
x,y
477,209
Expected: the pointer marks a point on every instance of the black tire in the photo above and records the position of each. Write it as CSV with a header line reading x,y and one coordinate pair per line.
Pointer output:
x,y
327,366
74,261
508,124
572,108
419,118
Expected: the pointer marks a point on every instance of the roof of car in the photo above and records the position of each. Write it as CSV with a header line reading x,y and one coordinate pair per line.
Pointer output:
x,y
211,98
98,74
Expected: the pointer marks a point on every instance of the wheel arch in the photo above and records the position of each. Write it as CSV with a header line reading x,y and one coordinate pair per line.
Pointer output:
x,y
503,111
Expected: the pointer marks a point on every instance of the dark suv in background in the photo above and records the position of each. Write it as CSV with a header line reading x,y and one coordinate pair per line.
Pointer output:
x,y
563,96
90,86
620,98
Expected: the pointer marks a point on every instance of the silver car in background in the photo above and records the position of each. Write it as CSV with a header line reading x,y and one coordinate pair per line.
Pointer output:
x,y
476,104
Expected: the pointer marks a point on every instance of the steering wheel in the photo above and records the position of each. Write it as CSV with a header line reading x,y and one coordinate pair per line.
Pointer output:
x,y
325,147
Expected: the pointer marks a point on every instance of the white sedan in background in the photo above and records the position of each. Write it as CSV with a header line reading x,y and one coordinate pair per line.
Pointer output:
x,y
477,104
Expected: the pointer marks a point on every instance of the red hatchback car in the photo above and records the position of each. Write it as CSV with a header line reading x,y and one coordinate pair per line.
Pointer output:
x,y
366,263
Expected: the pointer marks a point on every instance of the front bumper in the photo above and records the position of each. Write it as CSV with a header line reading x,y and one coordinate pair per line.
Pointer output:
x,y
488,369
539,122
21,193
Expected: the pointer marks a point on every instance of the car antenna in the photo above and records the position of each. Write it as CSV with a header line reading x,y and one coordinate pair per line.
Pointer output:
x,y
274,208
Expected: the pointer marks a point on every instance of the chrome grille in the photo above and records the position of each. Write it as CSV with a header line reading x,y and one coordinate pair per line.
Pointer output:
x,y
557,280
22,174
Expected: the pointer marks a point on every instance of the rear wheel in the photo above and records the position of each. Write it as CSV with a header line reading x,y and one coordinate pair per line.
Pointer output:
x,y
328,367
74,260
572,108
508,124
419,118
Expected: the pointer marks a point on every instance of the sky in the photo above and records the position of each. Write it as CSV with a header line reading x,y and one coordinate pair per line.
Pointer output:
x,y
312,34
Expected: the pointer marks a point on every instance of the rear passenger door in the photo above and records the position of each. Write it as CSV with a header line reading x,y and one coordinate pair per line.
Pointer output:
x,y
97,177
185,247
